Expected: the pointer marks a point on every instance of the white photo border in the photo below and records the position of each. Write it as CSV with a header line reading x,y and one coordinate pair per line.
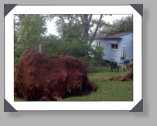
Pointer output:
x,y
81,105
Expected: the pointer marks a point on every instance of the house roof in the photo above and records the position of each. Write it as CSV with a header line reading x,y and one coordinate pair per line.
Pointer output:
x,y
104,35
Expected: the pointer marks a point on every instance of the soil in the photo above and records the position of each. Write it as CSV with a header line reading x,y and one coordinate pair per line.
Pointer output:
x,y
38,77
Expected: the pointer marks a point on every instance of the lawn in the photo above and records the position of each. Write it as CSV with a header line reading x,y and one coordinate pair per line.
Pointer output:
x,y
107,90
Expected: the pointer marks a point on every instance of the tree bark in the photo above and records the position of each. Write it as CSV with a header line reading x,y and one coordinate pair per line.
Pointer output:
x,y
86,27
86,23
94,34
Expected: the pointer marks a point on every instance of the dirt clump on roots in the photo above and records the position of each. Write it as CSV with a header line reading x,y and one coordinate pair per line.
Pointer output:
x,y
38,77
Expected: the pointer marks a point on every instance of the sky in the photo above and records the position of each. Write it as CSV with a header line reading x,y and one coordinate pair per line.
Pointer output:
x,y
51,27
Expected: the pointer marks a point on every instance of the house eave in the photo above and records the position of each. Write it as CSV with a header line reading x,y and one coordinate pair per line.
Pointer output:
x,y
108,39
117,36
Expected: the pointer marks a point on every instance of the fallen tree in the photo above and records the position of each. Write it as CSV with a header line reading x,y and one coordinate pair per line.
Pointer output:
x,y
38,77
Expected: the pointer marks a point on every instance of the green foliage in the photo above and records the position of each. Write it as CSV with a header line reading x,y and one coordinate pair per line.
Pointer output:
x,y
61,47
31,28
69,29
98,53
50,45
70,32
70,41
17,48
122,25
54,46
96,56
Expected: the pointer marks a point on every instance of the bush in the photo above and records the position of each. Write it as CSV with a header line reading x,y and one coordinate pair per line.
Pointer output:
x,y
93,65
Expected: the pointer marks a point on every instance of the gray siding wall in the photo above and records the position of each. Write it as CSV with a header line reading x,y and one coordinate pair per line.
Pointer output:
x,y
109,53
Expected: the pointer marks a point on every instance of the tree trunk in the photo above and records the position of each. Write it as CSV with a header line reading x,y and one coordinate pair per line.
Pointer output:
x,y
86,26
93,36
86,19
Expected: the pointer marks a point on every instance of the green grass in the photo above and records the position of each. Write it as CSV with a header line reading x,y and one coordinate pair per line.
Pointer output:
x,y
107,90
105,75
18,99
93,69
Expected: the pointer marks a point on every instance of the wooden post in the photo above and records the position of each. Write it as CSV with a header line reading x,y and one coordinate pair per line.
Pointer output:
x,y
40,48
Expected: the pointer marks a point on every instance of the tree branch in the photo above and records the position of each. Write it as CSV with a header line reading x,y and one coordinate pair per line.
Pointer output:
x,y
90,17
76,19
93,36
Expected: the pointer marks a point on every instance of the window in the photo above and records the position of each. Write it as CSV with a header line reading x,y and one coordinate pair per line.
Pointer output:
x,y
114,46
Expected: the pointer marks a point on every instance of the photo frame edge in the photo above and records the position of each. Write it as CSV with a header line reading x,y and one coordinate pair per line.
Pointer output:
x,y
138,8
138,107
8,107
8,8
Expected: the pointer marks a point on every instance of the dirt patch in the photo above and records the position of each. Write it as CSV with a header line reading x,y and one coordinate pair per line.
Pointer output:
x,y
38,77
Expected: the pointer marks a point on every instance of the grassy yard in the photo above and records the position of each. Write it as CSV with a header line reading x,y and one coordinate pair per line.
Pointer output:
x,y
18,99
107,90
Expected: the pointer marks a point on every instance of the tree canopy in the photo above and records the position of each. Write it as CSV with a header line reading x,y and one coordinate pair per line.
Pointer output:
x,y
28,33
76,34
122,25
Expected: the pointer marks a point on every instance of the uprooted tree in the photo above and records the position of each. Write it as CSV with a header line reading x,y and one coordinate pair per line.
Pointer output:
x,y
38,77
35,74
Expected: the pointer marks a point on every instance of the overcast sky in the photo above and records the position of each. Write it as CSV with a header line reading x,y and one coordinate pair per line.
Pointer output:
x,y
51,27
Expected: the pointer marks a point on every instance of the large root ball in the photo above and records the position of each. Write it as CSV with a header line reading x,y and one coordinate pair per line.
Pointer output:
x,y
38,77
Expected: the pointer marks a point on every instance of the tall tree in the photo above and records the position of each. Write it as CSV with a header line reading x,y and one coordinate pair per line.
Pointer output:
x,y
30,30
84,20
121,25
28,34
76,33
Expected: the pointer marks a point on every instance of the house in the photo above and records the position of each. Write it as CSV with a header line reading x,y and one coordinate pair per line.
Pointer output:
x,y
117,47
